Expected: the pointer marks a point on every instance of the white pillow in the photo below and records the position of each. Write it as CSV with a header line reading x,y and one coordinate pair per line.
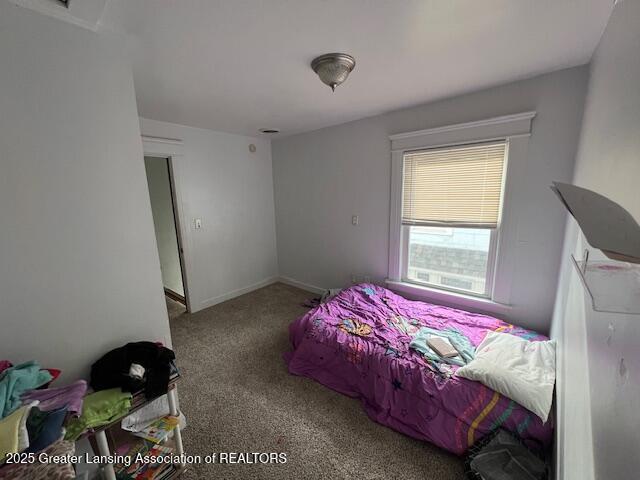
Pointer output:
x,y
521,370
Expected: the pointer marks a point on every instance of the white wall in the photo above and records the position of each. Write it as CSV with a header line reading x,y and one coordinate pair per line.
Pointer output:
x,y
79,271
231,190
324,177
598,383
159,184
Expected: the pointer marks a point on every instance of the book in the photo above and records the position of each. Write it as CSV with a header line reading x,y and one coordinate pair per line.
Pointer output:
x,y
158,430
442,346
144,471
155,471
124,472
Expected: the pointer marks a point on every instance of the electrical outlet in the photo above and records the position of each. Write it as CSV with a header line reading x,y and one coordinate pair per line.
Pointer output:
x,y
197,223
355,220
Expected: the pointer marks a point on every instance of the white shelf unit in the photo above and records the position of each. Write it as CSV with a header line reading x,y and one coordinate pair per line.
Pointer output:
x,y
613,286
138,402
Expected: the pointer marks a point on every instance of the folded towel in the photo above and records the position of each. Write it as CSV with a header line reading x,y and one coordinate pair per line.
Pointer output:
x,y
13,432
457,339
15,381
99,408
70,396
44,428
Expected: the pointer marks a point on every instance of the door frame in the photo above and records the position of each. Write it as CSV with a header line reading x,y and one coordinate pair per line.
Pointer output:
x,y
173,150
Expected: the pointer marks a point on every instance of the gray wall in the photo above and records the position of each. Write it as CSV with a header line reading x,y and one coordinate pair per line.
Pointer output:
x,y
324,177
159,184
231,190
79,271
599,371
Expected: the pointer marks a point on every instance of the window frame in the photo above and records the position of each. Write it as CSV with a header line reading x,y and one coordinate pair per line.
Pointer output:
x,y
516,130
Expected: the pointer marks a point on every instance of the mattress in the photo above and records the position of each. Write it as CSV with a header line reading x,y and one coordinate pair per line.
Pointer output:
x,y
358,344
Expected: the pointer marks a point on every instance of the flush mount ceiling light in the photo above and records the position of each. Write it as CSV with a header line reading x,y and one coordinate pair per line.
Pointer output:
x,y
333,68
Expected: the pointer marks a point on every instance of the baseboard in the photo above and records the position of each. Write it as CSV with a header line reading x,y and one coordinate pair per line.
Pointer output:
x,y
174,296
301,285
236,293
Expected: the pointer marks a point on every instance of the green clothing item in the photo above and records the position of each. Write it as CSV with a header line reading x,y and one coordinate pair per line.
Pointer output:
x,y
98,409
458,340
17,380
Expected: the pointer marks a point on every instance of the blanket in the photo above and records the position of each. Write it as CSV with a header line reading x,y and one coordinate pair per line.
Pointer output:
x,y
358,344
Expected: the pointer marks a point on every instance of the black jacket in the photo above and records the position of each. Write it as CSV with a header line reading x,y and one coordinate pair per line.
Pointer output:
x,y
112,370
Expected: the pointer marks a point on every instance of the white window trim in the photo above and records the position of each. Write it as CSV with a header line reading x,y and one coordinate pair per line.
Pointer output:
x,y
516,130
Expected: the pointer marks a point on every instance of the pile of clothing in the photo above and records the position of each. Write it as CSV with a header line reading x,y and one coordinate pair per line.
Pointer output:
x,y
466,350
36,417
324,298
420,336
134,367
32,418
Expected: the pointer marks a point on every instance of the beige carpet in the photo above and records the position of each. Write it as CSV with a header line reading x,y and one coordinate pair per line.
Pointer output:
x,y
238,397
174,309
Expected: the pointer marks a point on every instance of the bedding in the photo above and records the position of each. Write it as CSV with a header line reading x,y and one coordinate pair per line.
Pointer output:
x,y
358,344
521,370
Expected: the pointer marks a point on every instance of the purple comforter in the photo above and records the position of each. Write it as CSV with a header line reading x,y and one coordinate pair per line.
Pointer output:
x,y
358,345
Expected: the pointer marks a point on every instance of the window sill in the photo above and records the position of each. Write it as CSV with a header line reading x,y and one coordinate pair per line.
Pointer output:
x,y
452,299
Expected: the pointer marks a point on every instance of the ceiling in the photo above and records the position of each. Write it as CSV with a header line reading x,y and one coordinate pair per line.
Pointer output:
x,y
241,65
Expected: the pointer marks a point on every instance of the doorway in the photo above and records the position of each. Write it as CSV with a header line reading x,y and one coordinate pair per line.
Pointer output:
x,y
166,226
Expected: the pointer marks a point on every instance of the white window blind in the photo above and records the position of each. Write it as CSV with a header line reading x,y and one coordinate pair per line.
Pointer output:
x,y
457,186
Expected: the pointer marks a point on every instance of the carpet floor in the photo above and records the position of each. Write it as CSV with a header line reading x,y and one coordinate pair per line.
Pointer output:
x,y
174,309
238,397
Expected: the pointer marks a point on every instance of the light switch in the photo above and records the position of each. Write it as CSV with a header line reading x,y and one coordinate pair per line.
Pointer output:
x,y
197,223
355,220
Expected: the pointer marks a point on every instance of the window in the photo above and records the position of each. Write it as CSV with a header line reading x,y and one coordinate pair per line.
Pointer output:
x,y
451,204
452,224
458,261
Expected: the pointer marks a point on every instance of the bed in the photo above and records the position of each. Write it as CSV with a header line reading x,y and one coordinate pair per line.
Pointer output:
x,y
358,344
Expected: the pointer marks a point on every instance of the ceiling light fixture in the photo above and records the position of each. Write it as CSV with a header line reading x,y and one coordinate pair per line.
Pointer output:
x,y
333,68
